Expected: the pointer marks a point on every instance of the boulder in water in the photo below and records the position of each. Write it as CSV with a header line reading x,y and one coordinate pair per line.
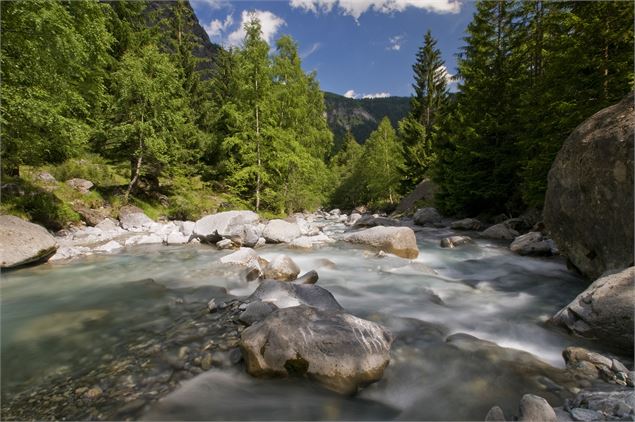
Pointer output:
x,y
427,216
215,227
285,295
604,311
282,268
245,257
373,221
340,351
466,224
533,244
455,241
589,201
400,241
23,243
280,231
500,232
536,409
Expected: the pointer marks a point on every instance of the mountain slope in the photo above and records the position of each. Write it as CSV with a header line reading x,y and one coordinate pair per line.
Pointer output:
x,y
361,116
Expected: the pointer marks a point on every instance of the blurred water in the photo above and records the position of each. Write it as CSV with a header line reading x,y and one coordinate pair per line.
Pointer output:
x,y
481,289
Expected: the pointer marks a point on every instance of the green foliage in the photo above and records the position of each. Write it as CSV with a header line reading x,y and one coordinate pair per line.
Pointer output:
x,y
90,167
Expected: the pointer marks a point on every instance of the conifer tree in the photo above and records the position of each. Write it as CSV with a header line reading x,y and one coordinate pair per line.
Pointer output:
x,y
418,130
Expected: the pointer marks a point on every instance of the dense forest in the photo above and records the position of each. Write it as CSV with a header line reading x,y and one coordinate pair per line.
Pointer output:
x,y
119,93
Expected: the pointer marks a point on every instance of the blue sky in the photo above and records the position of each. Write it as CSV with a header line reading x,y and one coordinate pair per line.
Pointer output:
x,y
358,47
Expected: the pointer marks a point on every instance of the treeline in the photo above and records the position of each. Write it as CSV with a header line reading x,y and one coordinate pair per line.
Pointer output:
x,y
529,73
120,79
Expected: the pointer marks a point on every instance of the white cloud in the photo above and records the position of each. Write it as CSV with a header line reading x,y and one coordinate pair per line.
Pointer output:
x,y
377,95
448,77
216,27
213,4
269,22
356,8
352,94
315,47
395,42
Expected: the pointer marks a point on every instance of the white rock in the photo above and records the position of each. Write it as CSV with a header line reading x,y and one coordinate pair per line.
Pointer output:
x,y
280,231
186,227
213,228
144,239
109,247
177,238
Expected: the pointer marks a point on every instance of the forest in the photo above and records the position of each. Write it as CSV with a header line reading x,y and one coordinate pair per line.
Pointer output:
x,y
114,92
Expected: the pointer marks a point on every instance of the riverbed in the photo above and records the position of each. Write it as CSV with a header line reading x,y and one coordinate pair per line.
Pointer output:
x,y
62,320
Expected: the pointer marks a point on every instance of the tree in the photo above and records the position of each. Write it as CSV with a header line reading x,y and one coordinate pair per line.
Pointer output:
x,y
418,130
346,166
150,116
478,172
383,163
52,71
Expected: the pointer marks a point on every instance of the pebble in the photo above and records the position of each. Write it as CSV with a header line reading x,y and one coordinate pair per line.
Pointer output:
x,y
211,306
93,393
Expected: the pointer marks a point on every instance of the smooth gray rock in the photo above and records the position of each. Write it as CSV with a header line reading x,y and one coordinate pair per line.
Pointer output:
x,y
310,277
533,244
280,231
495,414
500,232
536,409
80,185
400,241
616,403
282,268
256,311
133,218
370,221
425,190
353,218
245,257
215,227
24,243
589,200
427,216
285,295
339,350
455,241
604,311
580,414
466,224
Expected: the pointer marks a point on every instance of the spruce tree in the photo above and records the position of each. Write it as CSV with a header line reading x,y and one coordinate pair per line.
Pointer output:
x,y
418,130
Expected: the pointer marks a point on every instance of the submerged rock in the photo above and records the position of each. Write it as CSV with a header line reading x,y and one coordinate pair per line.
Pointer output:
x,y
589,200
454,241
604,311
23,243
400,241
338,350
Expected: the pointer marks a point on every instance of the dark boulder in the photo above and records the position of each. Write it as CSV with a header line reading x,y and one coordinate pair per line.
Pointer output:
x,y
589,201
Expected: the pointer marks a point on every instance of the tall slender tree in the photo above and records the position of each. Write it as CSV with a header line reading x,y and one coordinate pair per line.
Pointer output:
x,y
418,130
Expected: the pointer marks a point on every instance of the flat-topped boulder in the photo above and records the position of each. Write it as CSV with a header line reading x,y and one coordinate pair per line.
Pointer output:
x,y
215,227
604,311
280,231
400,241
339,350
23,243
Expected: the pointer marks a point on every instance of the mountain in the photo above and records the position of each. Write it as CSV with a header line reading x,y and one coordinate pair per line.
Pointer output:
x,y
361,116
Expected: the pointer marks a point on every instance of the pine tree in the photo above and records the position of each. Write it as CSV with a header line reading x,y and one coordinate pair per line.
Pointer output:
x,y
418,130
346,166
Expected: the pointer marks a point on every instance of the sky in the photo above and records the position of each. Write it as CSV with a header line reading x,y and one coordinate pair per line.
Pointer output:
x,y
359,48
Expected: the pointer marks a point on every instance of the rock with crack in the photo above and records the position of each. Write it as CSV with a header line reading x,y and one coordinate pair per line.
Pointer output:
x,y
604,311
400,241
339,350
590,365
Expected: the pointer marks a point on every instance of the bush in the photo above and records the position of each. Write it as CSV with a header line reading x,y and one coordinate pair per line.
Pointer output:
x,y
91,167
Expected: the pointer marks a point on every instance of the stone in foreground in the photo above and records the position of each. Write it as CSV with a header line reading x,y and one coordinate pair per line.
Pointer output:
x,y
536,409
604,311
400,241
23,243
338,350
589,201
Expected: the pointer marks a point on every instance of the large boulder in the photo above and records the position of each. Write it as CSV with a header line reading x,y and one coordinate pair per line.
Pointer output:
x,y
245,257
280,231
400,241
427,216
425,190
500,232
532,244
133,218
604,311
80,185
589,201
339,350
282,268
23,243
373,221
466,224
228,224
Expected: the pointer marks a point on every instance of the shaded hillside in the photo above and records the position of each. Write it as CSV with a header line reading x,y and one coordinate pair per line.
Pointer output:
x,y
361,116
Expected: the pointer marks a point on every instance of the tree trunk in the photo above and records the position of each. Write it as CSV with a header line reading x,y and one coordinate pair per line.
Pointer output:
x,y
258,159
134,172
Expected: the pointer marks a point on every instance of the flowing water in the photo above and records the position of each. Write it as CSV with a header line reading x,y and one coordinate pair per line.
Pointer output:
x,y
62,319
